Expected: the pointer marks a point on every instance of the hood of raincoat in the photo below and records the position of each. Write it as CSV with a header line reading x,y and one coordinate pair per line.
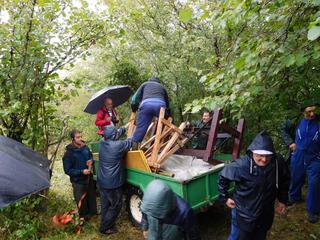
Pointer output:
x,y
262,141
154,79
158,200
110,132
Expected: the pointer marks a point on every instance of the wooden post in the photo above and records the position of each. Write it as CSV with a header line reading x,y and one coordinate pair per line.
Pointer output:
x,y
156,144
131,124
238,140
213,134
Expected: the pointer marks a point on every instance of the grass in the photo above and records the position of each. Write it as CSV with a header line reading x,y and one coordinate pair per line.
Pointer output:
x,y
214,223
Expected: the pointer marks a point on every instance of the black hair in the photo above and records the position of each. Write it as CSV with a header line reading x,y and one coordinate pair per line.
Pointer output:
x,y
74,132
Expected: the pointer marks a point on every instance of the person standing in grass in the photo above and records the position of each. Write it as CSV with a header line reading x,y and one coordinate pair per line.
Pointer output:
x,y
76,163
260,177
111,176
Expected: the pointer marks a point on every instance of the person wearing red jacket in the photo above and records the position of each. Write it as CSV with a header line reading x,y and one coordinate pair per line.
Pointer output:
x,y
107,115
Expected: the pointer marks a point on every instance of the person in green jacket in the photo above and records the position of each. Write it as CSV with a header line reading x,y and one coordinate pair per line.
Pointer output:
x,y
166,216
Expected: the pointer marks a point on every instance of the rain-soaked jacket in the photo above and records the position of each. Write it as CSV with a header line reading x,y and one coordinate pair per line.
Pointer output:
x,y
256,187
161,209
111,172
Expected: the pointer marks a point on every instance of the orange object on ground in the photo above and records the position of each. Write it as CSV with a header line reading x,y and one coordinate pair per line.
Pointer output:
x,y
60,220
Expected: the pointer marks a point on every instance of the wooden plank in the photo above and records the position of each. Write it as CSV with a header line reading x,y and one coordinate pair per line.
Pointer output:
x,y
170,125
213,134
131,124
137,160
172,151
238,140
156,144
172,141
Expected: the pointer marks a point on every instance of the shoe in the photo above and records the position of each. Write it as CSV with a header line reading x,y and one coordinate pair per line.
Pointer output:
x,y
313,218
110,231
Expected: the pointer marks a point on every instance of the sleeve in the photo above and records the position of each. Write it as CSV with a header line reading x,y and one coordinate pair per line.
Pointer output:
x,y
136,98
121,132
285,132
90,154
100,119
68,165
126,145
144,222
228,174
283,180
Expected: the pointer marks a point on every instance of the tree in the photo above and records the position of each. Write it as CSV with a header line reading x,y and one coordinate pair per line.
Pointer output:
x,y
39,38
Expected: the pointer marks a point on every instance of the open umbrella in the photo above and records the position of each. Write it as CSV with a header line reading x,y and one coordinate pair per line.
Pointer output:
x,y
22,172
118,94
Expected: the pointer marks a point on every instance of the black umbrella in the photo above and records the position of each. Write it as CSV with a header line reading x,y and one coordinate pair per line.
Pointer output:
x,y
118,94
22,171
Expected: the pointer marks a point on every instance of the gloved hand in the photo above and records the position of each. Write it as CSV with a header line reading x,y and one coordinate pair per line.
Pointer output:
x,y
134,107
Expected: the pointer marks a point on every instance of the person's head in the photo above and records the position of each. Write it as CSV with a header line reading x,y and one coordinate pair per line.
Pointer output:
x,y
110,133
76,137
158,200
310,112
262,159
108,103
262,149
206,116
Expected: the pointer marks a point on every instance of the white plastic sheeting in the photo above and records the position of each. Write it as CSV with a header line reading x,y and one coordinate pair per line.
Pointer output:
x,y
187,167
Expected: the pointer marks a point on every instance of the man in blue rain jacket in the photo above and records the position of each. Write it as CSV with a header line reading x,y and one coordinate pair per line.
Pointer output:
x,y
305,160
111,176
260,177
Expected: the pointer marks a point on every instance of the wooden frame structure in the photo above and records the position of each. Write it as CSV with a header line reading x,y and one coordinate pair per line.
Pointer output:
x,y
215,132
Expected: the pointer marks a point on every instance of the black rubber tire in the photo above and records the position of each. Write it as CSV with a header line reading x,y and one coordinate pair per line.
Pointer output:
x,y
133,198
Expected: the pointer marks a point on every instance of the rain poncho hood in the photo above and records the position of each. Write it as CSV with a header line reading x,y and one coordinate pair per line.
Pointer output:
x,y
110,132
262,141
158,200
154,79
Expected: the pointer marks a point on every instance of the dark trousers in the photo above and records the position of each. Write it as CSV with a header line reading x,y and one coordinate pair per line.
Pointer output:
x,y
147,111
111,202
238,234
89,204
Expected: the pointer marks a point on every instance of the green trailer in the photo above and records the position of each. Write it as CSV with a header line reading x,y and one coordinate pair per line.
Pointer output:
x,y
200,191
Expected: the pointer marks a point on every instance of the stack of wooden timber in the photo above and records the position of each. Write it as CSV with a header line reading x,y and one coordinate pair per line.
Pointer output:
x,y
162,139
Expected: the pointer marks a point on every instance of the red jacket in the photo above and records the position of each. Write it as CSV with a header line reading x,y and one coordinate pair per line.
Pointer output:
x,y
101,119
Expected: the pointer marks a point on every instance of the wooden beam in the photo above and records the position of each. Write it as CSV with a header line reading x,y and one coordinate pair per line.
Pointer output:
x,y
172,151
131,124
156,144
238,140
172,141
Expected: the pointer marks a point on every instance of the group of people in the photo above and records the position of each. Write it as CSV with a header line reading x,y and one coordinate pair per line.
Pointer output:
x,y
260,177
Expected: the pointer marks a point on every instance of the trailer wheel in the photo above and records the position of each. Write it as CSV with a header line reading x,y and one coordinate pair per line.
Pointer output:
x,y
133,202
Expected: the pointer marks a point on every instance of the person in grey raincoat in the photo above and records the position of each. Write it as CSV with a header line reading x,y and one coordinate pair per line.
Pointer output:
x,y
260,177
111,176
166,216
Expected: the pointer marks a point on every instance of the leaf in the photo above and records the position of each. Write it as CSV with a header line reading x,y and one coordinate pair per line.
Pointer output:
x,y
300,59
288,60
314,33
185,15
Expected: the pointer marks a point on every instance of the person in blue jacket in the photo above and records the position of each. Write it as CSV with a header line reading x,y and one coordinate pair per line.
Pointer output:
x,y
305,161
260,177
76,164
166,216
149,98
111,176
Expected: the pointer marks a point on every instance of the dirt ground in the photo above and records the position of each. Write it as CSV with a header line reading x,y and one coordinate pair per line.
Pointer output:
x,y
214,223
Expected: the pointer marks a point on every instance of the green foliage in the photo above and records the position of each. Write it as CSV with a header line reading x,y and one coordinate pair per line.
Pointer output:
x,y
126,73
20,220
41,37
